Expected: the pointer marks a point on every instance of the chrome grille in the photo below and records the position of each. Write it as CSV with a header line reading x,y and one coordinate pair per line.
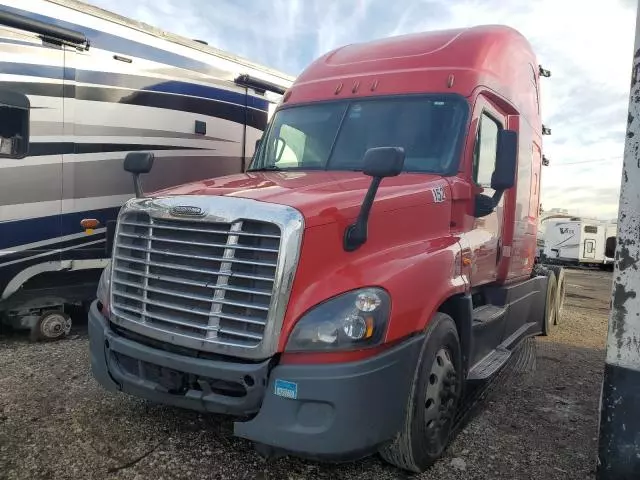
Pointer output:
x,y
209,281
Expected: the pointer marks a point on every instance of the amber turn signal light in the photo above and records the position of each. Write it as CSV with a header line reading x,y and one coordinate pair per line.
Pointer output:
x,y
89,224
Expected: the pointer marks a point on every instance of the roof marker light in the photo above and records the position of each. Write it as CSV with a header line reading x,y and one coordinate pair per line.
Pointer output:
x,y
544,72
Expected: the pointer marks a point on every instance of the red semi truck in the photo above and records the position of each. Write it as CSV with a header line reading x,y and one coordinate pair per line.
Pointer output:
x,y
374,262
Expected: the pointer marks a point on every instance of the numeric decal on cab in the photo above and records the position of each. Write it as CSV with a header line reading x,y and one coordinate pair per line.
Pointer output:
x,y
438,194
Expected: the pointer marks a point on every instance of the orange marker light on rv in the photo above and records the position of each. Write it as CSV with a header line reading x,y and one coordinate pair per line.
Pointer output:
x,y
89,225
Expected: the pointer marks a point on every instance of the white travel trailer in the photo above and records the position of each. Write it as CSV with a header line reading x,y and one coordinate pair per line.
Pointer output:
x,y
79,88
574,241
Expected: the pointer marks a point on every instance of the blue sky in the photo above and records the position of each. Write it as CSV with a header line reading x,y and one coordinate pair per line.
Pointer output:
x,y
587,45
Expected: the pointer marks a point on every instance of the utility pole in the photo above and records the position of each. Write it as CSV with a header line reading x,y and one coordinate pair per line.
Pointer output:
x,y
619,430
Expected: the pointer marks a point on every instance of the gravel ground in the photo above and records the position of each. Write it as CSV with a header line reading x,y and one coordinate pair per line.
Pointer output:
x,y
538,421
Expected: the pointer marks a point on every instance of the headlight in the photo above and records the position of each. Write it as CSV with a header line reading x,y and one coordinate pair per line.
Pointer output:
x,y
104,285
355,319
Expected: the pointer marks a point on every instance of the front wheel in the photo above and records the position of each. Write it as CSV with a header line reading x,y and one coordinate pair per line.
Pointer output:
x,y
434,399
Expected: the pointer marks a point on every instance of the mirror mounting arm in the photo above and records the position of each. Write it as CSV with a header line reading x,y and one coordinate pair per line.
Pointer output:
x,y
484,204
379,163
356,234
137,185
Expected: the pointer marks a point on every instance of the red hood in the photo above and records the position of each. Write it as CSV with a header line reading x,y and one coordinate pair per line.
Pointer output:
x,y
322,197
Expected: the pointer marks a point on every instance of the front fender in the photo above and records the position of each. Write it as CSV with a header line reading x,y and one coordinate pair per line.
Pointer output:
x,y
417,263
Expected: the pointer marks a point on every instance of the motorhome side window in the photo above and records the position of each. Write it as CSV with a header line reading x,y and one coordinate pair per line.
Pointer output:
x,y
590,229
484,154
14,124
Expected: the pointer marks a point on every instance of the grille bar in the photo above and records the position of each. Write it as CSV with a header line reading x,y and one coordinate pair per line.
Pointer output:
x,y
181,281
157,251
172,319
141,261
183,323
191,296
199,279
202,244
198,230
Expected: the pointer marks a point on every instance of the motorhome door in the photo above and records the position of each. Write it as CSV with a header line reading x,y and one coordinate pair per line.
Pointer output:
x,y
589,248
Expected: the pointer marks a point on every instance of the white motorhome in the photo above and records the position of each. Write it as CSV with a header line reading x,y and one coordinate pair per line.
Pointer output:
x,y
575,241
79,88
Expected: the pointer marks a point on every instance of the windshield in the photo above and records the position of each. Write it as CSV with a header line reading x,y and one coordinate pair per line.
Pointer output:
x,y
335,135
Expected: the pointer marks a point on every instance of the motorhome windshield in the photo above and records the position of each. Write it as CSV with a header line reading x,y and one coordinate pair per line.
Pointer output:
x,y
335,135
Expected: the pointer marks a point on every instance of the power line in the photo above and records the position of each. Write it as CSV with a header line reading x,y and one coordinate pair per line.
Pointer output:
x,y
581,162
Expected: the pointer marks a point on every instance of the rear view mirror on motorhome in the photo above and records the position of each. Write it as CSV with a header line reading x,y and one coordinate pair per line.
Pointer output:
x,y
14,124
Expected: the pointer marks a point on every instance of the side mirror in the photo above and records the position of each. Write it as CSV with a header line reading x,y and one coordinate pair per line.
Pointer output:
x,y
14,124
138,163
383,162
504,175
379,163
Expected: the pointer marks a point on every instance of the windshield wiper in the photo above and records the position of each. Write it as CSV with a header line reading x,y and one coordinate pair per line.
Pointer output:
x,y
267,168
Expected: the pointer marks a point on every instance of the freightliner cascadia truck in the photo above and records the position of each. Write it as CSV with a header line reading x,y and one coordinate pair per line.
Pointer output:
x,y
373,263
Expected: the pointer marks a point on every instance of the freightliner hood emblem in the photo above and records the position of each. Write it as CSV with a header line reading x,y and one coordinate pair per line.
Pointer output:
x,y
186,211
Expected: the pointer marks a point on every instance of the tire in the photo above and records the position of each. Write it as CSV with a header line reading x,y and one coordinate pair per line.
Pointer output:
x,y
560,292
51,326
433,401
550,304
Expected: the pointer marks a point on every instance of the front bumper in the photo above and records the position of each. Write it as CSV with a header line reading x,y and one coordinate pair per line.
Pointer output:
x,y
336,411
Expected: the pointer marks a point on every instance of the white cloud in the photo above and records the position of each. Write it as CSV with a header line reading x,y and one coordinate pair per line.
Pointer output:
x,y
587,44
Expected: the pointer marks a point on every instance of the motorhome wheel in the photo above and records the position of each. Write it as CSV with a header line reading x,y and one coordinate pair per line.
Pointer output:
x,y
51,326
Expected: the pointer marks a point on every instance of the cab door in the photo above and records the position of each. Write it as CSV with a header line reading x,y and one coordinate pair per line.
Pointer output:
x,y
486,234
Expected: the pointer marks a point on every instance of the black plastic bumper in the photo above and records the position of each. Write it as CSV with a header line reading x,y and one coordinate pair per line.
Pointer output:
x,y
325,411
164,377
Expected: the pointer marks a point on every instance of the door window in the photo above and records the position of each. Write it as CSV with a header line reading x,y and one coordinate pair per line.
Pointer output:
x,y
486,149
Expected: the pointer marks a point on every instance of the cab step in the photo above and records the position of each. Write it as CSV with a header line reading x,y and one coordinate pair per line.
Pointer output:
x,y
489,365
488,313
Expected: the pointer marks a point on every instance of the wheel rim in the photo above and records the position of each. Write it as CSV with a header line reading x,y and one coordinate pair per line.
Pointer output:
x,y
560,301
441,397
55,325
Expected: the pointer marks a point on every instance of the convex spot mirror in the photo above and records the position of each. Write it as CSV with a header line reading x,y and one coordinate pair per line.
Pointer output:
x,y
382,162
138,163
